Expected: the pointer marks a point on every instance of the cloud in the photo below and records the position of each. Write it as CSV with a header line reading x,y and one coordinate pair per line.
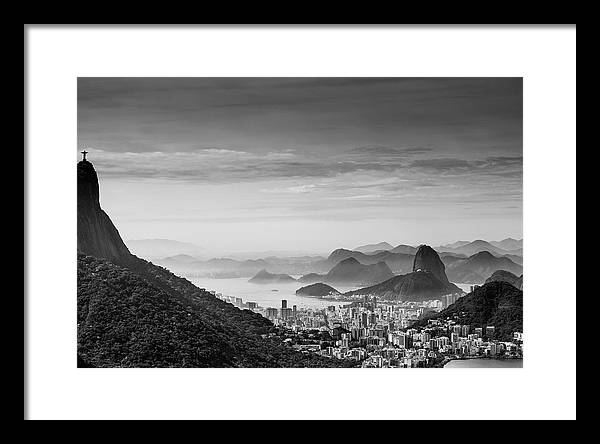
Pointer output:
x,y
386,152
328,181
417,150
308,188
511,160
376,150
363,196
225,165
443,164
218,151
509,167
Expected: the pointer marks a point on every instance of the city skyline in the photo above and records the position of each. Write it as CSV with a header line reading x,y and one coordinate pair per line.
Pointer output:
x,y
306,164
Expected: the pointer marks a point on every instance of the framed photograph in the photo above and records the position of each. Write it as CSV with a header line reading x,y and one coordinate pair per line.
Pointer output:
x,y
299,208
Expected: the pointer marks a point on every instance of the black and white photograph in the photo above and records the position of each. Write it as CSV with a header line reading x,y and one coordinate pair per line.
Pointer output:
x,y
253,222
300,222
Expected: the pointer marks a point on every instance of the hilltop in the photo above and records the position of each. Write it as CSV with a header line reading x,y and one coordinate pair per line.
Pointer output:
x,y
397,262
477,246
371,248
476,268
318,289
506,276
264,277
497,304
351,272
427,259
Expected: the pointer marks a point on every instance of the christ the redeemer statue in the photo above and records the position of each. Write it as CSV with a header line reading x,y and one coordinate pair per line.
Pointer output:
x,y
84,152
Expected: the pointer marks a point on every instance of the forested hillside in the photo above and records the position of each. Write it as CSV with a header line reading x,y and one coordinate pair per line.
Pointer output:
x,y
125,320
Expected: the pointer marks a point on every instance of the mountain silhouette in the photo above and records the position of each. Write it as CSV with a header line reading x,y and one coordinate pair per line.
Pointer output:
x,y
427,259
318,289
350,271
404,249
264,277
506,276
96,234
398,262
372,248
477,268
509,244
477,246
416,286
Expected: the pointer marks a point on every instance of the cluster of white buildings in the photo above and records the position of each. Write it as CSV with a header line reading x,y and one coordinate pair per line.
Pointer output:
x,y
380,334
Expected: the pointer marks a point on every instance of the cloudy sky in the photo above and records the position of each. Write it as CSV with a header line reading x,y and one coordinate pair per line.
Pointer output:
x,y
238,164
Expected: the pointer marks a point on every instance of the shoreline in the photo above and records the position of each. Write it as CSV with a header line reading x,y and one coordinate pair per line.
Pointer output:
x,y
447,360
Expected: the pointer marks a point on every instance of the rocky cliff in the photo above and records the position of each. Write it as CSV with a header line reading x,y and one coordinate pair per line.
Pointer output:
x,y
426,259
96,234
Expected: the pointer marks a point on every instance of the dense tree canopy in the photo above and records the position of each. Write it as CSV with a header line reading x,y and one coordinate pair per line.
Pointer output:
x,y
152,318
496,303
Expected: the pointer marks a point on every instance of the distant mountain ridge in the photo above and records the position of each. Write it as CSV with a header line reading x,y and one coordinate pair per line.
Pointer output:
x,y
509,244
312,269
477,246
181,259
350,271
404,249
235,268
371,248
456,244
399,259
478,267
398,262
516,258
160,248
264,277
384,246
